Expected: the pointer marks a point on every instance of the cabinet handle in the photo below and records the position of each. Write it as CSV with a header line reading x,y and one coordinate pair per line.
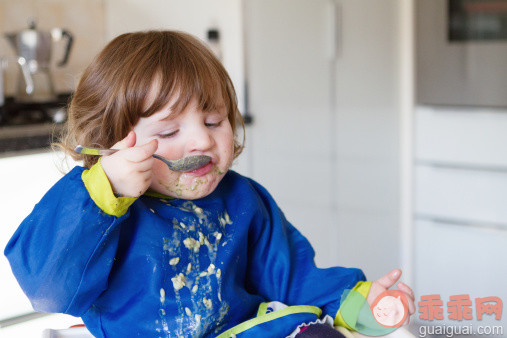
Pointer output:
x,y
22,318
462,166
462,222
336,29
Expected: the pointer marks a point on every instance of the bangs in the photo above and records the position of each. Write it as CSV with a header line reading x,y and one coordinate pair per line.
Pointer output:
x,y
185,72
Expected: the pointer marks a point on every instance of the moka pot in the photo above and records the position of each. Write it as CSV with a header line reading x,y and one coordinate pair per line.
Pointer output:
x,y
33,49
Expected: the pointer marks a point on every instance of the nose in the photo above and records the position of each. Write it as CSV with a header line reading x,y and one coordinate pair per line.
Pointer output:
x,y
200,139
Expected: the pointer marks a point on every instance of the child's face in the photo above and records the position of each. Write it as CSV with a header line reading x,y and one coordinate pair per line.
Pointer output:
x,y
192,132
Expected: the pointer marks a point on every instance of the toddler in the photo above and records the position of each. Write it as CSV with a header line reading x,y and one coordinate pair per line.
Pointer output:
x,y
138,250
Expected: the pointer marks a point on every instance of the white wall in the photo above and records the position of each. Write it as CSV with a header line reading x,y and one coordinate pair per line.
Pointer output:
x,y
290,80
330,156
368,134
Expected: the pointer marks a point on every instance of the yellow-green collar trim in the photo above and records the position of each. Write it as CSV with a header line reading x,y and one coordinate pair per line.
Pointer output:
x,y
158,195
270,316
98,186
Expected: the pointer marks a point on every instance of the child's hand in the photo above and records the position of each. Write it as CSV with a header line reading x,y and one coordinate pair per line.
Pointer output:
x,y
129,170
387,281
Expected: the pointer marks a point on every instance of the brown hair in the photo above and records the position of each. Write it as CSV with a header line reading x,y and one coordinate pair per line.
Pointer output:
x,y
112,93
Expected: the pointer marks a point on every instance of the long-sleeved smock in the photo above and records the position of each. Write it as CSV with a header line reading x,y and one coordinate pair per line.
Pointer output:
x,y
161,267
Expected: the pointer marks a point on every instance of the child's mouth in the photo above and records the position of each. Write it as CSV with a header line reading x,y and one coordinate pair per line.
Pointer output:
x,y
202,170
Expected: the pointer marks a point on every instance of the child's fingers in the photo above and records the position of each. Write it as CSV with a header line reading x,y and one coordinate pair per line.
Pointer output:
x,y
410,296
411,305
141,153
405,288
128,142
145,166
410,300
389,279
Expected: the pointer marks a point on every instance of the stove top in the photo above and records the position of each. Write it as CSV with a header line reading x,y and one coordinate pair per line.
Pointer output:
x,y
22,113
31,125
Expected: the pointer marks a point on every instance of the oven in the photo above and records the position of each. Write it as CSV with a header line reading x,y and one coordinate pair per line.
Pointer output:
x,y
461,52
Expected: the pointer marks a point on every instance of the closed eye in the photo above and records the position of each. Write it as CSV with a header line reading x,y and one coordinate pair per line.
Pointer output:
x,y
167,135
213,125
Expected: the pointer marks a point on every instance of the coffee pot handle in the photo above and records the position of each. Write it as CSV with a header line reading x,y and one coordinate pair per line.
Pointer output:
x,y
26,75
70,40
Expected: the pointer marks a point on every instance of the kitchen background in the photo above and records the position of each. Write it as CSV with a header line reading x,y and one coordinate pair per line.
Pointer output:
x,y
375,170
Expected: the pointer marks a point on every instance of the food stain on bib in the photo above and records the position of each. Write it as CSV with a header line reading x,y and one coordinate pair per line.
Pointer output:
x,y
196,289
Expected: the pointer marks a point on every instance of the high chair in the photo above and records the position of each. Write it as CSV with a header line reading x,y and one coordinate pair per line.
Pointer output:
x,y
77,331
81,332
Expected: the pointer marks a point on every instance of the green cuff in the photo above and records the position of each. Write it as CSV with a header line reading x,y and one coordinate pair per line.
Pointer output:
x,y
363,288
99,188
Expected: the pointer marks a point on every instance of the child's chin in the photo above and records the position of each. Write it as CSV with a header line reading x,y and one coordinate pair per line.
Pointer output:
x,y
193,196
190,193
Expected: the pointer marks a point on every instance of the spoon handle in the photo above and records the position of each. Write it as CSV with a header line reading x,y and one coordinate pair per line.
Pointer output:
x,y
183,164
94,151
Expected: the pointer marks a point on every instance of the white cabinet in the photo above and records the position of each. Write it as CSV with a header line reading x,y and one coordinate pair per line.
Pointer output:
x,y
455,259
461,194
460,204
23,180
325,134
468,136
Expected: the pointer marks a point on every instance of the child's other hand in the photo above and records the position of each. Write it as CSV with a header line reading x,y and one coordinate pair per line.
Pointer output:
x,y
129,170
387,281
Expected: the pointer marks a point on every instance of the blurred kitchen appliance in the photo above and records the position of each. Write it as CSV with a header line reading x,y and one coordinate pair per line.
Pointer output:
x,y
3,64
33,49
25,73
31,125
213,35
462,52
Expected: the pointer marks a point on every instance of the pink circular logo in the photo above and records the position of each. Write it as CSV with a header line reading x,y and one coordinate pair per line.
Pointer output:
x,y
390,308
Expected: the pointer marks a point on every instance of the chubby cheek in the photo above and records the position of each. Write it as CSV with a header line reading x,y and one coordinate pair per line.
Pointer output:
x,y
226,159
227,155
163,178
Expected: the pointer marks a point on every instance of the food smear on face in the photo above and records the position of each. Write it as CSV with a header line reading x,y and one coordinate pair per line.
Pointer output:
x,y
189,186
195,274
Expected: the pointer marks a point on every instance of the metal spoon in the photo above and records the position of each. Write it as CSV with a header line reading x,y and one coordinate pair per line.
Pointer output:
x,y
183,164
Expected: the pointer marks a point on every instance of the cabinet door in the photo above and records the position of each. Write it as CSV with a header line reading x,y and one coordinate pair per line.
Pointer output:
x,y
453,259
461,136
470,196
290,78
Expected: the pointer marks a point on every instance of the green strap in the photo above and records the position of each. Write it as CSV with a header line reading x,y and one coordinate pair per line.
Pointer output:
x,y
269,317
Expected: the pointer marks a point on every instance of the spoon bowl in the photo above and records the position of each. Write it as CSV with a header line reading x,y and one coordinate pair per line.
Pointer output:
x,y
184,164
